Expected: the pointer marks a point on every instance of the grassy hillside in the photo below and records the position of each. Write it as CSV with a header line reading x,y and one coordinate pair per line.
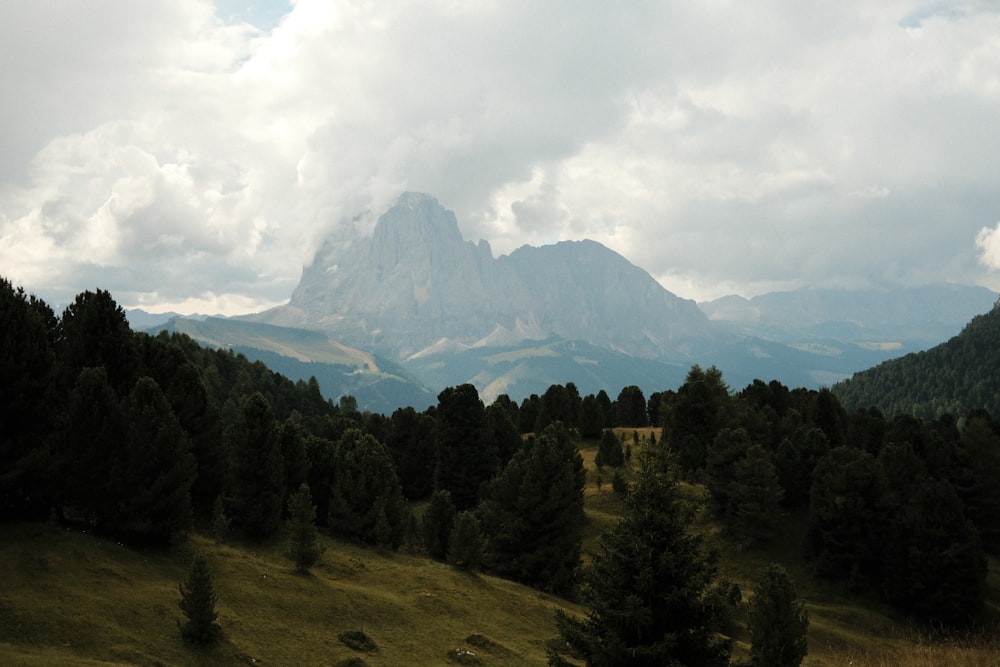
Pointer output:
x,y
69,598
74,599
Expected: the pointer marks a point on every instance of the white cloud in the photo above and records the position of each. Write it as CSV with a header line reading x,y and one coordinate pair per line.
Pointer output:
x,y
175,155
988,242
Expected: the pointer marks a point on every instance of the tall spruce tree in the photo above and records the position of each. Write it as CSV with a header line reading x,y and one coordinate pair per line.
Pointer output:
x,y
935,567
156,469
777,621
94,436
846,517
304,548
366,501
700,408
645,592
258,487
436,524
466,545
96,333
197,601
27,370
533,513
410,440
754,497
465,458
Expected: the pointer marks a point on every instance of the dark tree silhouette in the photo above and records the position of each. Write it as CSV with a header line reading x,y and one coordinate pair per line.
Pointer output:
x,y
645,592
777,621
198,601
533,513
465,458
258,492
304,548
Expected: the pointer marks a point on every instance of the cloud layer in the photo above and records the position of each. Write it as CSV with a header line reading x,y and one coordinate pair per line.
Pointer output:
x,y
186,158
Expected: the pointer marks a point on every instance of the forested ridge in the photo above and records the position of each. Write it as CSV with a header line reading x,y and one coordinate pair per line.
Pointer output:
x,y
150,438
954,377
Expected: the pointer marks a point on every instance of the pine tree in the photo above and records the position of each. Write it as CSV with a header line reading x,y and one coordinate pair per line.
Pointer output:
x,y
437,523
846,518
156,470
465,543
304,548
465,459
27,369
754,497
93,441
533,513
197,601
646,590
777,621
935,566
258,468
365,486
609,452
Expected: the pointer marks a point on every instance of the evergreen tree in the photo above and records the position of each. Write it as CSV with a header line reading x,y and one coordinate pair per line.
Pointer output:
x,y
258,488
466,545
795,459
592,420
609,452
465,459
304,548
95,332
728,447
365,485
27,373
93,441
846,514
155,471
410,441
630,407
777,621
168,360
646,590
437,523
754,497
293,452
198,601
977,476
500,433
700,409
934,563
533,513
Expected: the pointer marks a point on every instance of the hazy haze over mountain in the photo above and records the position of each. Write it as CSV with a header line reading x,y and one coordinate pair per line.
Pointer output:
x,y
191,156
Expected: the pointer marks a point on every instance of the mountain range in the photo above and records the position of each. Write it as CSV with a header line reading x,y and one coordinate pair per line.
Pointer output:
x,y
422,309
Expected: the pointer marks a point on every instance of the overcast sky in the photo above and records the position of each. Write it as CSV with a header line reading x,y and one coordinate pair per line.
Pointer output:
x,y
190,155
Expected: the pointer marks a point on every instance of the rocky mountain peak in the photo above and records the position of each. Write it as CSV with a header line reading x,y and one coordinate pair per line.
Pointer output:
x,y
416,284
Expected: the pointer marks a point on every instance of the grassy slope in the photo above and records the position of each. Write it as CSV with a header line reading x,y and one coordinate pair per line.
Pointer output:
x,y
68,598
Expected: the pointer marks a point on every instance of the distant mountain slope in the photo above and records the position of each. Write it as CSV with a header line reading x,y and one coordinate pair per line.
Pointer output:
x,y
379,385
909,318
953,377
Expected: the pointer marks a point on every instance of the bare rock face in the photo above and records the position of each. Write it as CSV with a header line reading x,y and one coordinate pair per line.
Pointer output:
x,y
416,285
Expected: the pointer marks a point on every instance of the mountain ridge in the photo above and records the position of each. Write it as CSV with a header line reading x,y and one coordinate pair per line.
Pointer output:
x,y
415,281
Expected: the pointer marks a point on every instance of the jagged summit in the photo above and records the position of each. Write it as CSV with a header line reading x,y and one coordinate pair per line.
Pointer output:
x,y
416,283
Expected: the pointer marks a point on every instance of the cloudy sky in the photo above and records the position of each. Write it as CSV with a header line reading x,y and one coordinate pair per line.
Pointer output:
x,y
190,155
